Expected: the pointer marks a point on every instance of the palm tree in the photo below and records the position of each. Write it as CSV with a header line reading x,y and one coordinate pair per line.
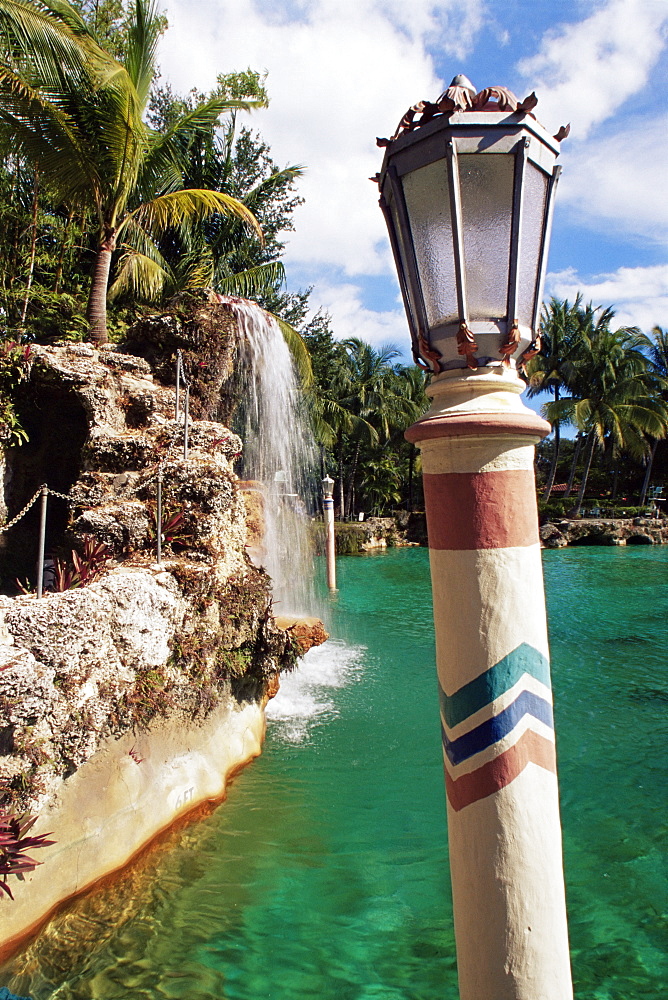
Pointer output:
x,y
378,394
333,407
657,350
613,396
551,369
417,402
219,252
381,483
84,131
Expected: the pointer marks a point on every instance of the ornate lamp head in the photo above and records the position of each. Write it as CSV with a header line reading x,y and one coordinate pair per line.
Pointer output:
x,y
467,187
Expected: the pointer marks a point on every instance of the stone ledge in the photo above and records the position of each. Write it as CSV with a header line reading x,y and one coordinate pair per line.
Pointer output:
x,y
132,789
604,531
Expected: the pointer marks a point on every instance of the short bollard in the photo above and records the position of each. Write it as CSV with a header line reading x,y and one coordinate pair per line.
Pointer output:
x,y
178,386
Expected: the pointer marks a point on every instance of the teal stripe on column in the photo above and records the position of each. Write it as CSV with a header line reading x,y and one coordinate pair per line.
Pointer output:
x,y
493,683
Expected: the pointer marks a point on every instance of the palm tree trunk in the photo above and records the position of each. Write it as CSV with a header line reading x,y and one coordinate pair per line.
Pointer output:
x,y
648,474
341,495
574,465
411,462
96,311
555,457
351,480
589,452
553,467
33,246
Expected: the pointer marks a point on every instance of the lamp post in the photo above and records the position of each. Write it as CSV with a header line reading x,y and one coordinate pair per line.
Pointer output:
x,y
330,544
467,187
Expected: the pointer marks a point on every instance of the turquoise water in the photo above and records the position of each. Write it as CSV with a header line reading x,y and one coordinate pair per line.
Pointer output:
x,y
325,873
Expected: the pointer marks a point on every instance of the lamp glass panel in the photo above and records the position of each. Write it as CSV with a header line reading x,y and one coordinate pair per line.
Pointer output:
x,y
534,195
486,183
405,269
428,205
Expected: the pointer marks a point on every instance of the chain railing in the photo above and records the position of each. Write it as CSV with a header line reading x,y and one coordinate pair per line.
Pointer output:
x,y
15,520
44,490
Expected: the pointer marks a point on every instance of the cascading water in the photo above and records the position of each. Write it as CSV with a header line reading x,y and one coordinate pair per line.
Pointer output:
x,y
279,454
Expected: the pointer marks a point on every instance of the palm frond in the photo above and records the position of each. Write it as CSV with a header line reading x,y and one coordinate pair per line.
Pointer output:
x,y
298,350
190,203
140,275
52,38
143,38
48,136
254,282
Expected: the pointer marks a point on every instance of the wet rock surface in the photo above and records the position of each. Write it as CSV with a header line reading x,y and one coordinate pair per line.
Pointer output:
x,y
305,632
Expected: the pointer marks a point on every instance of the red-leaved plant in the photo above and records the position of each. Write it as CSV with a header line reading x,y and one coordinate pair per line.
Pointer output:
x,y
83,568
13,846
174,526
78,571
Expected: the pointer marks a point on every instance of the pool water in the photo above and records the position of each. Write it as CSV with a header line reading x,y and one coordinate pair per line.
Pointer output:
x,y
325,872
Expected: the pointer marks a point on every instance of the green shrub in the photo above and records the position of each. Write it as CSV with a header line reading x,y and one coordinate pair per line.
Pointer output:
x,y
15,362
553,510
349,538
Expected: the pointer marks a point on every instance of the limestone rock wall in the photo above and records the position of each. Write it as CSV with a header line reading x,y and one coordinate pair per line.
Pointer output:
x,y
152,679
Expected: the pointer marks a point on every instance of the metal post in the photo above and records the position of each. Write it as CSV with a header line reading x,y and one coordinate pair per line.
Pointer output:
x,y
331,542
178,385
159,518
185,423
42,540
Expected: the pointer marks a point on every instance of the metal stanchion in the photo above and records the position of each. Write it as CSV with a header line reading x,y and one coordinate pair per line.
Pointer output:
x,y
42,540
178,385
185,423
159,518
330,540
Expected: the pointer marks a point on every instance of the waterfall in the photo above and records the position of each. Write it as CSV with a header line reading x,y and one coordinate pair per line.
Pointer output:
x,y
279,454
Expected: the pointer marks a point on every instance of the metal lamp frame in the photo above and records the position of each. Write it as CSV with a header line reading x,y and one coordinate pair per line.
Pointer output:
x,y
444,139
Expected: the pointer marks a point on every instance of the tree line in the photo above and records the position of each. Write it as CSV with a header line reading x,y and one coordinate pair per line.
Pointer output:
x,y
611,387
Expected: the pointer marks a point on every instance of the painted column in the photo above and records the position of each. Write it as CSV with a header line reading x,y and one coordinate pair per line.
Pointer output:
x,y
328,502
504,832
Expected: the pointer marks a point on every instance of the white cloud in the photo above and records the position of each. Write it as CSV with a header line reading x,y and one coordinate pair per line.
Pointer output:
x,y
585,71
639,295
351,318
340,73
620,181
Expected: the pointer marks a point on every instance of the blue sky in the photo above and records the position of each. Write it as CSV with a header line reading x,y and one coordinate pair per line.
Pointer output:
x,y
341,72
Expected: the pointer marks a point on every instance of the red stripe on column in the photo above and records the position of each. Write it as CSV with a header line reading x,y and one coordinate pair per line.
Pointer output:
x,y
499,772
481,510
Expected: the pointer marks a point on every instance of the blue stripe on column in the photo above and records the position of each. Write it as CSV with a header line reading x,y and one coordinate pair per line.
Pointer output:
x,y
494,729
494,683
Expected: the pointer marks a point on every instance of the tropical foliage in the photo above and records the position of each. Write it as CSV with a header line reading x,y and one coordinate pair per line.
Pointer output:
x,y
105,173
81,127
608,384
361,402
